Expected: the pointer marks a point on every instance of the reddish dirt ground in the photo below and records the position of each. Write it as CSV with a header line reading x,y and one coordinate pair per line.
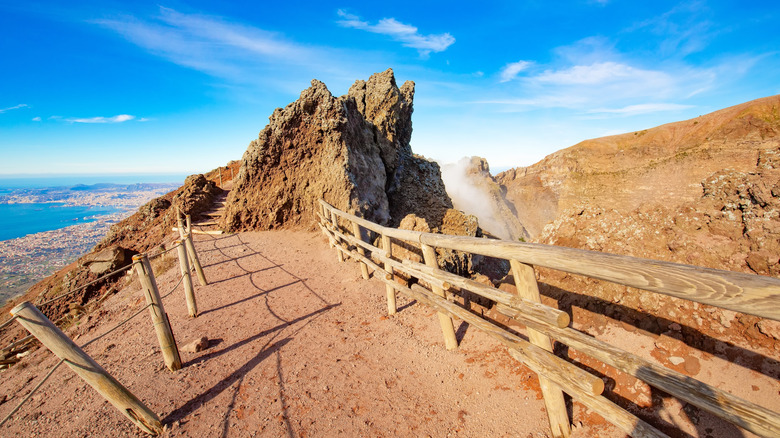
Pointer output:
x,y
300,345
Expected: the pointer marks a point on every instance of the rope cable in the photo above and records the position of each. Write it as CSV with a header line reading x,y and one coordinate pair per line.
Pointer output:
x,y
3,325
59,297
118,325
27,397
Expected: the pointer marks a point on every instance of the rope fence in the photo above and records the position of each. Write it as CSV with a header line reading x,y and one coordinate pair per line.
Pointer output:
x,y
80,288
52,337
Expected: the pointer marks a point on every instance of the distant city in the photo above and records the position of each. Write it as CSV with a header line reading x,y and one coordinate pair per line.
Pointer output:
x,y
29,258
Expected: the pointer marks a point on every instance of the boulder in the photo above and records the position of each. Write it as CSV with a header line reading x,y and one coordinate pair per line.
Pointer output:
x,y
109,259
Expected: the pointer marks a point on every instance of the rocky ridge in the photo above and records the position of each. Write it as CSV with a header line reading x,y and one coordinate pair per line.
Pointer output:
x,y
659,166
353,151
701,192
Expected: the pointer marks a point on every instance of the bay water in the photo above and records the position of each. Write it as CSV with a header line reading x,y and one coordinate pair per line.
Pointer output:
x,y
19,220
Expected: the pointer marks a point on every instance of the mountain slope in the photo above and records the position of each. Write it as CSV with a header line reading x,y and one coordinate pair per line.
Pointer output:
x,y
649,167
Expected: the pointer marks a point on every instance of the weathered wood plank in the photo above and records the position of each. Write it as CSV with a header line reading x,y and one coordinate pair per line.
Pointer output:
x,y
162,326
447,329
446,280
85,367
752,294
528,290
744,414
388,248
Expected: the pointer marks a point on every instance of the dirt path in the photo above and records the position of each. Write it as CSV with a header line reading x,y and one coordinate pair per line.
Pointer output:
x,y
299,346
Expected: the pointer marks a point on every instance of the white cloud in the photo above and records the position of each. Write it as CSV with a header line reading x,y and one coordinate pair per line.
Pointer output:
x,y
603,72
407,34
208,44
683,30
116,119
36,119
642,108
611,86
21,105
240,54
511,70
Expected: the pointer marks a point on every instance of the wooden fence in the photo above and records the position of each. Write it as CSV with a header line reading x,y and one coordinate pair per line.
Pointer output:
x,y
48,334
751,294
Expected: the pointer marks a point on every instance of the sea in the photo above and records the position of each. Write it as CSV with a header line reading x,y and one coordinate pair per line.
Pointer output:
x,y
19,220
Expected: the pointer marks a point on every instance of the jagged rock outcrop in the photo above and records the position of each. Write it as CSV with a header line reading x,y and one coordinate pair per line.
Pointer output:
x,y
353,151
107,260
475,191
454,223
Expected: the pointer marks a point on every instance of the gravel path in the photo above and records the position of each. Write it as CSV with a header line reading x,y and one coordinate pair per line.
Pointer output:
x,y
300,345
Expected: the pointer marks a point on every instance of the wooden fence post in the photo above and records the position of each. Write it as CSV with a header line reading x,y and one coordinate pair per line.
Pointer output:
x,y
183,235
447,329
195,260
387,246
335,220
160,319
527,289
325,219
180,223
360,250
85,367
220,177
189,292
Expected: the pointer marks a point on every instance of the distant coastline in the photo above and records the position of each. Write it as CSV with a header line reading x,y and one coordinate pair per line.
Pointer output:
x,y
47,222
26,181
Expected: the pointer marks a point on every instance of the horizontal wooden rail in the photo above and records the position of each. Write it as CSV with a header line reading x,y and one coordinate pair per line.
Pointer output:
x,y
447,281
746,293
535,357
743,413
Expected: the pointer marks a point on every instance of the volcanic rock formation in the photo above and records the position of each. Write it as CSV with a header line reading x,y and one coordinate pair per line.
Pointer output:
x,y
475,191
353,151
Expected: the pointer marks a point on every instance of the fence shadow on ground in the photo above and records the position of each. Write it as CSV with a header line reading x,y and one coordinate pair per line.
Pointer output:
x,y
271,345
753,360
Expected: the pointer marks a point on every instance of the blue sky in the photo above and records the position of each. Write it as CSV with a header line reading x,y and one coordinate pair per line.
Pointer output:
x,y
183,86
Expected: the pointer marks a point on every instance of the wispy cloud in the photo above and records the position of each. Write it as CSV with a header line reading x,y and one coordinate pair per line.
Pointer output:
x,y
21,105
36,119
200,42
511,70
591,73
116,119
241,54
642,108
407,34
683,30
604,73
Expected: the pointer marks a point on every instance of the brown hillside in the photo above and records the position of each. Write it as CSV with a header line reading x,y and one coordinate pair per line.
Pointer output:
x,y
650,167
703,192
